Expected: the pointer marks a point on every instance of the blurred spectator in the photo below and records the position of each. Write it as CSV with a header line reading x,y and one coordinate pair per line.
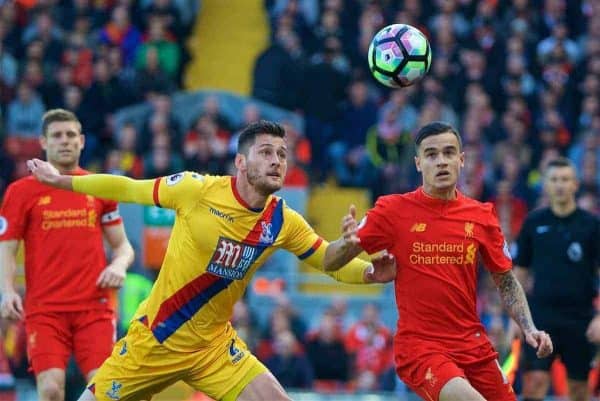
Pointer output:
x,y
327,355
288,363
244,323
152,78
510,209
169,16
278,72
160,120
126,160
370,344
350,162
323,90
161,160
120,32
25,112
8,68
167,50
212,108
205,147
47,33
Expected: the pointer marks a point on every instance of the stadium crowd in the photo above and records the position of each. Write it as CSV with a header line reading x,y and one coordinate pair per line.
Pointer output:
x,y
520,79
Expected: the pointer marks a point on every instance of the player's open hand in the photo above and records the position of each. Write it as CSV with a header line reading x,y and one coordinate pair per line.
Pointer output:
x,y
11,306
383,269
111,277
43,171
350,227
540,340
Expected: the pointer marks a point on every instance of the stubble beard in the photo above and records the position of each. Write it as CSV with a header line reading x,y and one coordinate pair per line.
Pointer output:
x,y
260,184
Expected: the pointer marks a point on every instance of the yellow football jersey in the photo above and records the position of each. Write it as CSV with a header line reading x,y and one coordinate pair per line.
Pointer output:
x,y
216,245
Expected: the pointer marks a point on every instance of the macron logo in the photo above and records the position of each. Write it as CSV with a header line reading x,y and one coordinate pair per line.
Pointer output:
x,y
220,214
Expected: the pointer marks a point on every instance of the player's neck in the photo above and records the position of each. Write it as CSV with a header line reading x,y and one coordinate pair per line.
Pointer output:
x,y
248,193
563,209
65,169
442,194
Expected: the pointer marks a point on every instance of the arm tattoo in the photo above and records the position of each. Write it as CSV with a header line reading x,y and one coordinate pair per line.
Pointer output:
x,y
514,300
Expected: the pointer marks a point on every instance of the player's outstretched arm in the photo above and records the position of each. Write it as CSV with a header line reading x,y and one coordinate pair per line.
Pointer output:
x,y
515,302
347,247
105,186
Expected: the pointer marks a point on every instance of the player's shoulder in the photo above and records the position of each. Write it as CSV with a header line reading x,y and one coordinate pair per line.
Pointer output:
x,y
394,200
541,213
196,179
484,212
26,185
587,217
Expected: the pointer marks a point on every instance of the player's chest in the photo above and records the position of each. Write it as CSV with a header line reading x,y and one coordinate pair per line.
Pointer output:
x,y
214,224
63,210
439,242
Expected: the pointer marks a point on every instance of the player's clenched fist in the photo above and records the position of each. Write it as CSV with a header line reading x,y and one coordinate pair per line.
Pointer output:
x,y
540,340
11,306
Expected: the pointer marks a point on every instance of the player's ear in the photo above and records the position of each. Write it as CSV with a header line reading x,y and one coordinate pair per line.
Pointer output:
x,y
82,140
240,162
43,142
462,159
418,163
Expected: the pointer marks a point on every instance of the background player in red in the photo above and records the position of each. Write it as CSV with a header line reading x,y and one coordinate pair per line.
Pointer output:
x,y
437,235
68,306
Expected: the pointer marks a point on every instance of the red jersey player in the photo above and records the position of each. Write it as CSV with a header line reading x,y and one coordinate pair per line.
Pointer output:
x,y
436,234
68,306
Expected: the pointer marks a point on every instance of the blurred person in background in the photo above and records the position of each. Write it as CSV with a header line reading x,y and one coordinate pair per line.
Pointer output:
x,y
289,363
69,305
558,248
327,354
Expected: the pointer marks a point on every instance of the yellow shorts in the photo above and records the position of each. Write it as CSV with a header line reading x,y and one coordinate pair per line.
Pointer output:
x,y
140,367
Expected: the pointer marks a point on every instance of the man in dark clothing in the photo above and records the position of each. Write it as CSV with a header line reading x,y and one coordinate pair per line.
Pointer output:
x,y
278,72
559,248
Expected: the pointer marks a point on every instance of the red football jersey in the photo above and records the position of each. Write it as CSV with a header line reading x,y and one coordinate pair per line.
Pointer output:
x,y
436,244
64,250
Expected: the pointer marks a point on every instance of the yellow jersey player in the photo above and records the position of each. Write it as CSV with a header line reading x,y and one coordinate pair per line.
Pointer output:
x,y
225,228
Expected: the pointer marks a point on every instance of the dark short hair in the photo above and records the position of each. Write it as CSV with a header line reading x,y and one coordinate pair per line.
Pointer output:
x,y
436,128
58,115
262,127
560,162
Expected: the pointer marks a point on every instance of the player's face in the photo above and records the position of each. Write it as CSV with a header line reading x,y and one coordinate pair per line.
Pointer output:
x,y
561,184
63,143
439,160
266,164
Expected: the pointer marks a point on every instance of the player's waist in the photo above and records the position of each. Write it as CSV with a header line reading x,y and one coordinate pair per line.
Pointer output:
x,y
185,338
33,308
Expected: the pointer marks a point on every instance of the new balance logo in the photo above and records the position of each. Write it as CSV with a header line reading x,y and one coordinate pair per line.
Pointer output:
x,y
418,228
44,200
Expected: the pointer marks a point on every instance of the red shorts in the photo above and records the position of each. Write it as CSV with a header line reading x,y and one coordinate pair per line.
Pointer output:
x,y
53,336
426,370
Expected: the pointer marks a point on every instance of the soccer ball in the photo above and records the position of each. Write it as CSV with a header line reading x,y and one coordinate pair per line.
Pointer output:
x,y
399,55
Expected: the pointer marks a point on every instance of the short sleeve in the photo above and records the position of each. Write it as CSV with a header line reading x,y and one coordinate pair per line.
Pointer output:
x,y
375,229
110,213
180,191
13,215
301,238
524,247
494,249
